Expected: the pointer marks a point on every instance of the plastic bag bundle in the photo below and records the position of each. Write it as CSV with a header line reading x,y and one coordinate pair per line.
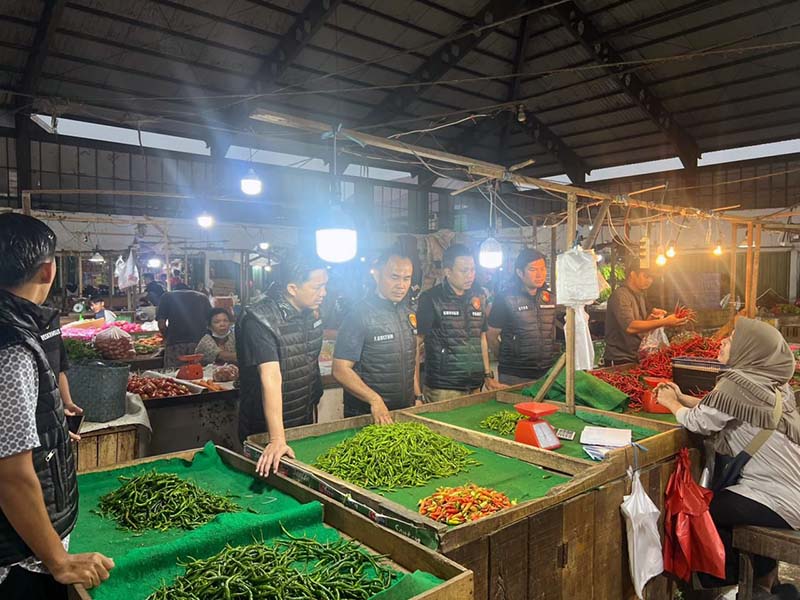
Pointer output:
x,y
644,543
114,344
576,286
653,342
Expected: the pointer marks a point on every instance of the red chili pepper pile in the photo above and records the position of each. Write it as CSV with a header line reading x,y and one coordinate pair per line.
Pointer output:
x,y
156,387
457,505
682,312
627,382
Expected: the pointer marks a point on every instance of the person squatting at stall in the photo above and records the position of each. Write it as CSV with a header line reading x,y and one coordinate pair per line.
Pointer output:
x,y
38,481
751,396
376,349
522,324
278,343
219,344
627,319
451,323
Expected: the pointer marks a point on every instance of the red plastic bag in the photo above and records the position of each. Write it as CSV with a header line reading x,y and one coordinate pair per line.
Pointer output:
x,y
691,541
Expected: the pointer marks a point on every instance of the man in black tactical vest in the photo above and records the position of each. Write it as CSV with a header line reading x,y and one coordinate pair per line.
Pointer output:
x,y
523,323
451,323
278,341
38,484
376,349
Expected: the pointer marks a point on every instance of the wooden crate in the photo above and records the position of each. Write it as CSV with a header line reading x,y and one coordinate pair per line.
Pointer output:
x,y
106,448
569,544
403,554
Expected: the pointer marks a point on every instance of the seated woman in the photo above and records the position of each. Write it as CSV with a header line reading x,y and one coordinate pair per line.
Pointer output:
x,y
219,345
741,405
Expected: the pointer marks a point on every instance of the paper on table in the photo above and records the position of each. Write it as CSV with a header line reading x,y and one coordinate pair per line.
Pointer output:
x,y
606,436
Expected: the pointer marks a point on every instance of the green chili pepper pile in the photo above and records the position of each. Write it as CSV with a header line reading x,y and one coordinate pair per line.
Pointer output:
x,y
297,568
503,422
162,501
395,456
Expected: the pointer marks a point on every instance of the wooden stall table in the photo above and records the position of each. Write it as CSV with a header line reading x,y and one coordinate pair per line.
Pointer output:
x,y
402,554
780,544
106,447
143,362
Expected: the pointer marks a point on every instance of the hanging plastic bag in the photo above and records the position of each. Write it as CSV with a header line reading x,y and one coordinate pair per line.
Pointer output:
x,y
644,542
691,540
130,275
114,344
119,268
653,342
576,286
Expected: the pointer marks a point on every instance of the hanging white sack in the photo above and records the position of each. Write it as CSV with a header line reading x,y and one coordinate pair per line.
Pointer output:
x,y
644,543
130,275
576,286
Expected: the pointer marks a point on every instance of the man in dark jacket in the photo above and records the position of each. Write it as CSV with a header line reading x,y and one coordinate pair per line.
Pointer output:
x,y
38,484
182,316
451,323
278,341
522,325
376,350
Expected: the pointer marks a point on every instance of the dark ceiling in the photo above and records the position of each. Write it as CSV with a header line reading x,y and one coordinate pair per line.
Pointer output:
x,y
603,82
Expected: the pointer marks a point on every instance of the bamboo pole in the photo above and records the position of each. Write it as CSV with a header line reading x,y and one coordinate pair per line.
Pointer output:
x,y
754,278
748,272
734,235
572,221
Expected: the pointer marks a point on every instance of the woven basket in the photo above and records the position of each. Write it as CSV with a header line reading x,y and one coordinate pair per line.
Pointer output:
x,y
99,389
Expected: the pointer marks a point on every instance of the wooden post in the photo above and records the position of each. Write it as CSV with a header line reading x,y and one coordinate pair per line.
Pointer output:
x,y
754,278
734,233
110,284
748,271
26,203
186,267
80,275
572,222
553,242
166,260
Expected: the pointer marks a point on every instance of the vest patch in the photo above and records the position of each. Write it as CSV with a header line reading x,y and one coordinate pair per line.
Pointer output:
x,y
477,313
386,337
317,323
50,334
451,313
523,307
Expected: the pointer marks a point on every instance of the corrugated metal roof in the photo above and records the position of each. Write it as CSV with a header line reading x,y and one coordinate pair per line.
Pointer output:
x,y
180,63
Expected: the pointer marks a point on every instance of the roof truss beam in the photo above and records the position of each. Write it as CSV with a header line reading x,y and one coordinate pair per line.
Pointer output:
x,y
45,32
591,38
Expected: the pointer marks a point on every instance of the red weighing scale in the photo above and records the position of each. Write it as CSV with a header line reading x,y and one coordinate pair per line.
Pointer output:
x,y
534,431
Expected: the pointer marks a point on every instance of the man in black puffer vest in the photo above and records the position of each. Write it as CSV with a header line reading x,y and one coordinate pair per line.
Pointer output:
x,y
523,320
38,483
278,341
376,350
451,321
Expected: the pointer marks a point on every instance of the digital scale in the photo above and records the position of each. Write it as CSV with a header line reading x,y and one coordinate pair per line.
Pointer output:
x,y
534,431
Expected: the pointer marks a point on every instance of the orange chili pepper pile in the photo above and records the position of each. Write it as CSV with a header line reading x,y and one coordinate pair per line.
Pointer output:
x,y
457,505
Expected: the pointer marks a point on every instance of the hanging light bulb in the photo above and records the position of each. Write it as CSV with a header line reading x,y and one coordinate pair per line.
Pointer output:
x,y
336,245
717,249
154,263
250,184
670,253
263,246
205,221
490,255
97,257
661,260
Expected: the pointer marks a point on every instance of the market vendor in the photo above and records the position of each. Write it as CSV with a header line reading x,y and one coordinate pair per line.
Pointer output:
x,y
181,316
522,324
98,305
627,318
743,403
219,344
38,482
451,323
278,341
376,349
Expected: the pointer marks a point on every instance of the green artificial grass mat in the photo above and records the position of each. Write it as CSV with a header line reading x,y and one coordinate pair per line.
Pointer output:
x,y
144,561
517,479
469,417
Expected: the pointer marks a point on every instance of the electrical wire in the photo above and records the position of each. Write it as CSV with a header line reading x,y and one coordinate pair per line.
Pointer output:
x,y
438,127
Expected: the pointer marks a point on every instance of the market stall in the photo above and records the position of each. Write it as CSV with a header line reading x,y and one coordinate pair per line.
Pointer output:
x,y
233,511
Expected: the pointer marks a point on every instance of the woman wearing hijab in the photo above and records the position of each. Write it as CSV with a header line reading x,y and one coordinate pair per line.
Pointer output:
x,y
741,405
219,345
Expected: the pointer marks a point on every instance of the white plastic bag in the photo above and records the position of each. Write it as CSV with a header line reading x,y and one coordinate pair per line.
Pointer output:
x,y
653,342
644,543
130,274
576,286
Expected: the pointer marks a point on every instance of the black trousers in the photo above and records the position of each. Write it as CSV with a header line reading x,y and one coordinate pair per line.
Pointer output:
x,y
729,509
24,585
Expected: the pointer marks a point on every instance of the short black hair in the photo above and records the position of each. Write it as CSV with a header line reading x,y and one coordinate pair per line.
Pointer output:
x,y
218,311
296,267
394,250
453,252
526,256
26,244
633,265
97,300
